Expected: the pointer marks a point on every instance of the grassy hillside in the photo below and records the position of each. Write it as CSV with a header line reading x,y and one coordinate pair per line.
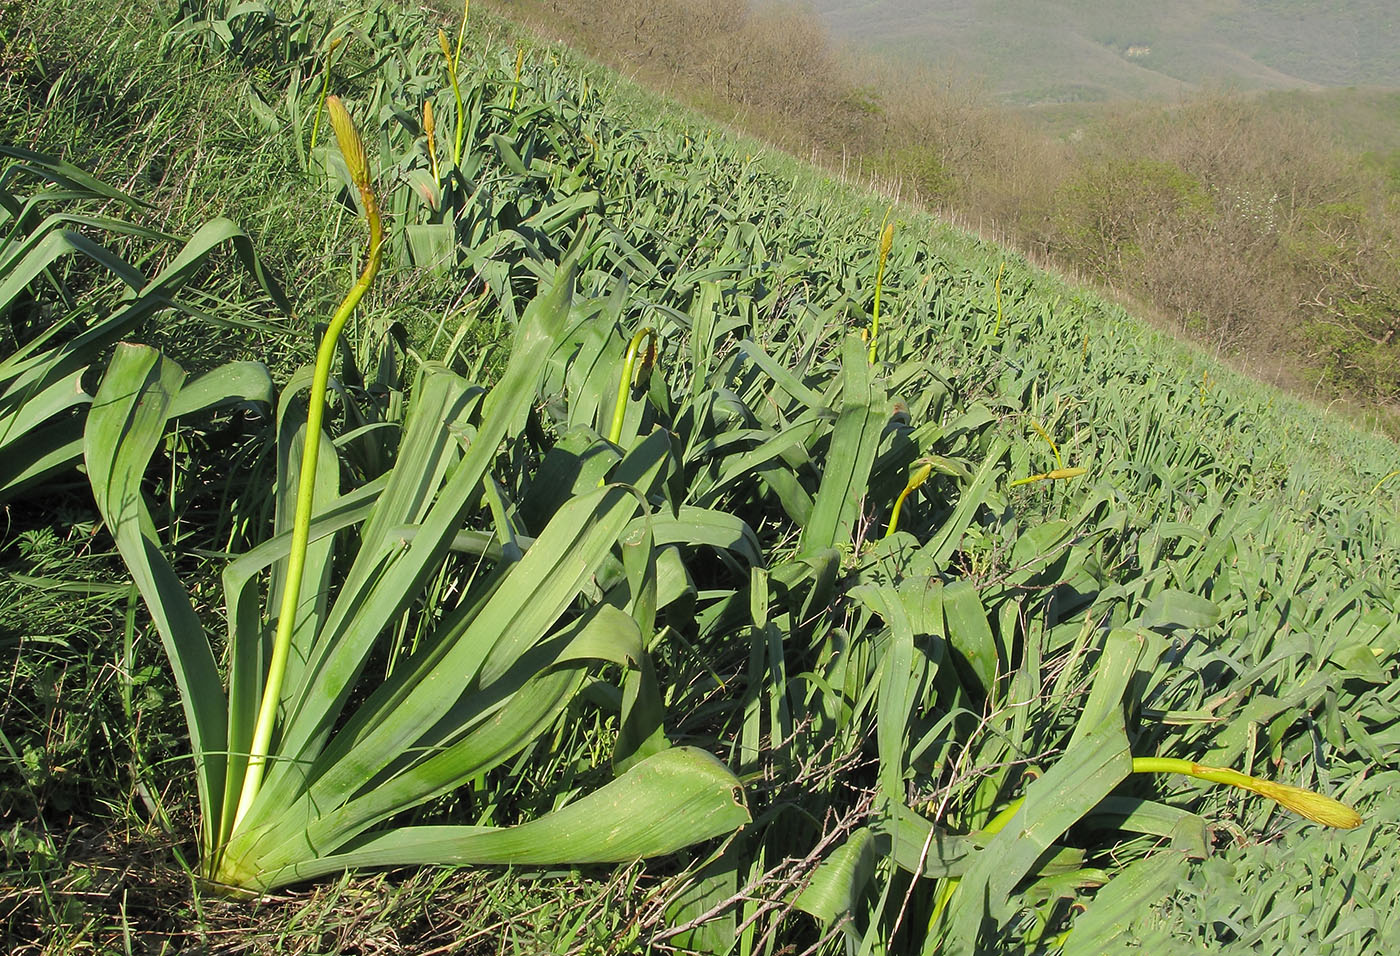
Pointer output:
x,y
671,501
1363,118
1359,119
1034,53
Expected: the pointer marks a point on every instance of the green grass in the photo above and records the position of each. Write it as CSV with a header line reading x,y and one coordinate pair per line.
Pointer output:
x,y
1215,587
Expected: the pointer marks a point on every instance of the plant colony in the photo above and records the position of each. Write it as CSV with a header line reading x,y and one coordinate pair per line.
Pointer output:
x,y
889,573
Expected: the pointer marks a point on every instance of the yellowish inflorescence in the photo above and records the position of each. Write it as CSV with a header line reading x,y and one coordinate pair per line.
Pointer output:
x,y
430,131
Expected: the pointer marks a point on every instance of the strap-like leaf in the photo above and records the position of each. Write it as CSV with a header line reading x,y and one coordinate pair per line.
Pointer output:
x,y
848,461
126,423
669,801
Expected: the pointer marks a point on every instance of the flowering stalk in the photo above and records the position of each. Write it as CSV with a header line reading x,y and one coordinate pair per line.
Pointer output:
x,y
1316,807
625,381
1040,430
353,149
456,62
886,241
457,95
1056,475
519,62
916,478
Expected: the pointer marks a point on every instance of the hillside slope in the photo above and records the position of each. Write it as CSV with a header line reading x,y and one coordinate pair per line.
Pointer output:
x,y
1032,53
921,544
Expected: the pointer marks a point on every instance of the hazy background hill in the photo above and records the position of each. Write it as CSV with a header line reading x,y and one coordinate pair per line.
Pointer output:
x,y
1031,52
1216,164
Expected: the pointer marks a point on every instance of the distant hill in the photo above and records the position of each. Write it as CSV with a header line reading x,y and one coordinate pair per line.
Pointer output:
x,y
1030,52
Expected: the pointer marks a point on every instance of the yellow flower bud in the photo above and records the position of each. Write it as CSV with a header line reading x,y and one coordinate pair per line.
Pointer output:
x,y
446,50
351,146
1315,806
886,242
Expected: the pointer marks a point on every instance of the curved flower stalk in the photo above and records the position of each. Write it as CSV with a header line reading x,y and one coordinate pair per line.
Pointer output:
x,y
515,89
353,149
1378,484
1315,806
921,473
454,60
1054,449
629,369
1059,472
916,478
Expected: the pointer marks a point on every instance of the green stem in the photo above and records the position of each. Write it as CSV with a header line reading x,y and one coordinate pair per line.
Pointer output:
x,y
919,476
1222,775
301,521
325,90
995,826
462,32
875,314
996,329
625,382
886,241
461,122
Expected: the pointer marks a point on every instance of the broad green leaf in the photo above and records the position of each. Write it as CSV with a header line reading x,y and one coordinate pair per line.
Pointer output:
x,y
1173,609
1188,831
124,427
839,882
901,683
969,634
669,801
917,845
477,647
1096,760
